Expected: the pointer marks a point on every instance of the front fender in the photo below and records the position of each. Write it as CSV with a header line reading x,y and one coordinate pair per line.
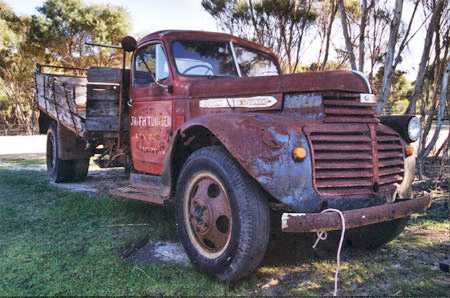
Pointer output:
x,y
262,144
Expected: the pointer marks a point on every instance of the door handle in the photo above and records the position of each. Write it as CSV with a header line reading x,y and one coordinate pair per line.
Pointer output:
x,y
130,102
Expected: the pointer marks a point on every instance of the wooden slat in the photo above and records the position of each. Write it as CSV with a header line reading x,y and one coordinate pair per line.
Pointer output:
x,y
102,108
104,74
102,123
103,94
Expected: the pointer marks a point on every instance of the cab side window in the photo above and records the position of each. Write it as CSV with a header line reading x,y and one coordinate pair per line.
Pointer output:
x,y
150,64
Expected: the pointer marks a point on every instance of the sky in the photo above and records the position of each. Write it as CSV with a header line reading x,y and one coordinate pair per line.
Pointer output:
x,y
148,16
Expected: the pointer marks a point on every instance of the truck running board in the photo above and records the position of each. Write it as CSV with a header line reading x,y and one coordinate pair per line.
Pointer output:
x,y
137,193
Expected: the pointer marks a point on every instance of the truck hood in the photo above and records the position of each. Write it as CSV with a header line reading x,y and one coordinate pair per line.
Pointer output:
x,y
336,80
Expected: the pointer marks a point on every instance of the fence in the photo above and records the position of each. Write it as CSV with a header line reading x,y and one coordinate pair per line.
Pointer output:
x,y
18,129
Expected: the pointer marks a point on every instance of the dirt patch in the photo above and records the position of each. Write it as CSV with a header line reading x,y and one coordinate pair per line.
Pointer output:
x,y
98,181
148,252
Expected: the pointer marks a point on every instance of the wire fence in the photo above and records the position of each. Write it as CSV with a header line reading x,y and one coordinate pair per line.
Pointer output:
x,y
18,129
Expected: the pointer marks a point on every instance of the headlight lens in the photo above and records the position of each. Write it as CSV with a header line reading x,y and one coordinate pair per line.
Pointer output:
x,y
414,129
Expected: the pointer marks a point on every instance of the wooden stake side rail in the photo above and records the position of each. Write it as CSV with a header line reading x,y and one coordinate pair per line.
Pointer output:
x,y
62,98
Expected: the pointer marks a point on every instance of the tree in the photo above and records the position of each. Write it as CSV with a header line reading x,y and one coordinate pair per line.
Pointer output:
x,y
432,29
401,90
15,69
389,61
63,27
279,25
326,14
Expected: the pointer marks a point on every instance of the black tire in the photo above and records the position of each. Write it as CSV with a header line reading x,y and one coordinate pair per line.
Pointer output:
x,y
80,169
376,235
236,217
59,170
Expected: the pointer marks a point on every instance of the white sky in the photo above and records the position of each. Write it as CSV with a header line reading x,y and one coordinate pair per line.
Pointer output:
x,y
152,15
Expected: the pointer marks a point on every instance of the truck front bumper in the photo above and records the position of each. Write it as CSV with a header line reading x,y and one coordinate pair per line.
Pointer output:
x,y
329,221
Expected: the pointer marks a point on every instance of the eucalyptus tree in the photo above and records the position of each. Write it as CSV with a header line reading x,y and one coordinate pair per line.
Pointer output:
x,y
279,25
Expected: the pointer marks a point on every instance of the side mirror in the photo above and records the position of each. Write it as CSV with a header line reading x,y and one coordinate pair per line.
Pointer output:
x,y
129,44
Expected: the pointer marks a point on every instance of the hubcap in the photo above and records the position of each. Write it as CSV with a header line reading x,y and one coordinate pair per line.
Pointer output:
x,y
208,215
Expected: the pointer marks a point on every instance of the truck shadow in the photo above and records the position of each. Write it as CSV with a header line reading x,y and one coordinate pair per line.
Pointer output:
x,y
286,249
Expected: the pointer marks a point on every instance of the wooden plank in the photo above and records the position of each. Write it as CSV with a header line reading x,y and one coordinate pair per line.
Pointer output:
x,y
104,74
102,123
102,108
103,94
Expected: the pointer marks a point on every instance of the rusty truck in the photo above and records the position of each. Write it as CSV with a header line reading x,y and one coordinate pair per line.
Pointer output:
x,y
209,120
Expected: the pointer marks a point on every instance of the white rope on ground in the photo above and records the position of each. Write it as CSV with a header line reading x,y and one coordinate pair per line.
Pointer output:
x,y
322,235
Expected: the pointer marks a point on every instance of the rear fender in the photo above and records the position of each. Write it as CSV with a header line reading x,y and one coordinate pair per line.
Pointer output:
x,y
262,144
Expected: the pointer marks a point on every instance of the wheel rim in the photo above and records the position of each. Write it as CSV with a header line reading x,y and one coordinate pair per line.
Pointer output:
x,y
207,215
51,152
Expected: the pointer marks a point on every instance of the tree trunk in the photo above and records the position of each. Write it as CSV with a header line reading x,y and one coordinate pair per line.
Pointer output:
x,y
425,57
334,8
348,42
388,65
441,110
362,31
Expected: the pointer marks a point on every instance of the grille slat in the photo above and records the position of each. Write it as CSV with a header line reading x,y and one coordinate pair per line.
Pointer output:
x,y
343,164
342,119
348,109
344,111
340,138
343,174
343,183
344,147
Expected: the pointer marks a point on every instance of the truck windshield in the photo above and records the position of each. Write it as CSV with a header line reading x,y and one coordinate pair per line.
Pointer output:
x,y
204,58
215,58
253,63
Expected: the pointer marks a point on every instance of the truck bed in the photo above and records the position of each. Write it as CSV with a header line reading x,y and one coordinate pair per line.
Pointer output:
x,y
87,105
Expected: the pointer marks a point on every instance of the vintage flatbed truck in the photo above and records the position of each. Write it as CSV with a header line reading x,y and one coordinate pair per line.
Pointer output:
x,y
208,120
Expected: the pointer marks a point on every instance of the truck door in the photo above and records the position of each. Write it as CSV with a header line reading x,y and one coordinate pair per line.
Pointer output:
x,y
151,108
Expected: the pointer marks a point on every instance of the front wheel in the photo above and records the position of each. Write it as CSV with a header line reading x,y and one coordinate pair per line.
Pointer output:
x,y
222,215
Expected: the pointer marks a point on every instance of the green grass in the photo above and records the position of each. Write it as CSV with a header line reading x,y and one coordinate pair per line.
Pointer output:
x,y
57,242
22,161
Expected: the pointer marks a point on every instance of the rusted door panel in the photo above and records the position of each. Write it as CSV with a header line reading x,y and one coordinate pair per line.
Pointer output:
x,y
150,127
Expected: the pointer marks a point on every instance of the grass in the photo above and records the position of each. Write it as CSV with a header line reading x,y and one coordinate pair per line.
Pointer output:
x,y
57,242
22,161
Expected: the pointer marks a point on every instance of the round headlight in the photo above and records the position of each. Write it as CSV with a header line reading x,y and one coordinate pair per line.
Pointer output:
x,y
414,129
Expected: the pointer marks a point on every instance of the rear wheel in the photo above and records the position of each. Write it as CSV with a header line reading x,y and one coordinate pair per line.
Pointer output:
x,y
63,170
376,235
222,215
